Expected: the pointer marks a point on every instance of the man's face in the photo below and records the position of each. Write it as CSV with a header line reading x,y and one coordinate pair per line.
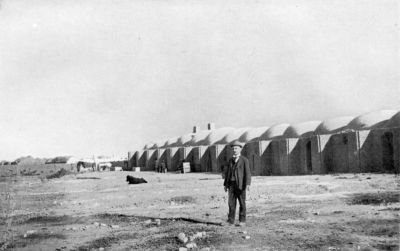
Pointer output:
x,y
236,150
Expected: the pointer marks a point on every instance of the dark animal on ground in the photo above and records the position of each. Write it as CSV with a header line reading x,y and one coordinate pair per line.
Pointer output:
x,y
134,180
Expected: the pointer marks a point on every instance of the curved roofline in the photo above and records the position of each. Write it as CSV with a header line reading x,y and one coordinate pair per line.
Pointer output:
x,y
253,134
302,129
394,121
275,131
371,120
334,125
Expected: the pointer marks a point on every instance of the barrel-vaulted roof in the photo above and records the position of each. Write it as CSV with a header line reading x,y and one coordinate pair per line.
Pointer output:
x,y
253,134
275,131
303,129
216,135
184,139
232,136
172,142
198,137
160,143
334,125
372,120
394,121
148,146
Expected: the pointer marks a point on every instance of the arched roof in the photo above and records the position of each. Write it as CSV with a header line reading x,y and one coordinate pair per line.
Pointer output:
x,y
148,146
232,136
171,142
274,131
334,125
198,137
303,129
184,139
394,121
253,134
371,120
216,135
160,143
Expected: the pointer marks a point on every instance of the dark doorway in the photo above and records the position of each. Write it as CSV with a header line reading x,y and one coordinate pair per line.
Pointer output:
x,y
387,152
308,157
208,161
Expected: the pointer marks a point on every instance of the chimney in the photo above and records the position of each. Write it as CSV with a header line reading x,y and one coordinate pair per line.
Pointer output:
x,y
196,129
210,126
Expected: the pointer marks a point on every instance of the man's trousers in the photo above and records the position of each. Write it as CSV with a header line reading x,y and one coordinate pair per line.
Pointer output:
x,y
236,195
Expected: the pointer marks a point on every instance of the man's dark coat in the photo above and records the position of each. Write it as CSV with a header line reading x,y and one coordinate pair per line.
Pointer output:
x,y
242,174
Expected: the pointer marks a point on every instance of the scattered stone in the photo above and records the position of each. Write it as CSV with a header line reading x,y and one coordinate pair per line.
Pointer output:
x,y
29,232
114,226
191,245
103,225
243,232
74,228
147,222
96,224
158,222
247,237
182,237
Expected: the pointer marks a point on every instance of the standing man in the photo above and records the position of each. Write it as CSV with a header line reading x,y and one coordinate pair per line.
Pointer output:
x,y
237,181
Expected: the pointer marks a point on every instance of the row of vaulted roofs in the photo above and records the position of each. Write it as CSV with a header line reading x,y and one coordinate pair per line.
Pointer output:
x,y
225,135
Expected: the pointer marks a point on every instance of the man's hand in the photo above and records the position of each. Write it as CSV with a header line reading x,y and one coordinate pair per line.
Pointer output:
x,y
248,188
226,189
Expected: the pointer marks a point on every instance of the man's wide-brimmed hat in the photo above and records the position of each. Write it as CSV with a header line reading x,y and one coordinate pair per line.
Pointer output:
x,y
237,143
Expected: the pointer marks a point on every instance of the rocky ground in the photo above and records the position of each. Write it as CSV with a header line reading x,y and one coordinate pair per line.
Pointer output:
x,y
100,211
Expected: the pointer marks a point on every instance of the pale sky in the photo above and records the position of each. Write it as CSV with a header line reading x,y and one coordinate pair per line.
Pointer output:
x,y
106,77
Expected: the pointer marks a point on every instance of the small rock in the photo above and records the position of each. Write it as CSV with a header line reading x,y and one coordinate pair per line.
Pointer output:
x,y
158,222
247,237
29,232
74,228
114,226
182,237
191,245
96,224
182,249
103,225
243,232
147,222
101,249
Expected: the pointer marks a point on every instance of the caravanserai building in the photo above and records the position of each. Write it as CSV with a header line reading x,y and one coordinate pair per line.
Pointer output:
x,y
367,143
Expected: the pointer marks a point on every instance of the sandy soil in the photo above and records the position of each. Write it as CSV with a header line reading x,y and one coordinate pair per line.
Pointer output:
x,y
100,211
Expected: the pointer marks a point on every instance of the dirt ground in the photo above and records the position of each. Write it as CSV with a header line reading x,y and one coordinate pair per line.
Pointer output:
x,y
100,211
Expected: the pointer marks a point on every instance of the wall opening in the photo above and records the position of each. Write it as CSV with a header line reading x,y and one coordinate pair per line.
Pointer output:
x,y
308,157
387,152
